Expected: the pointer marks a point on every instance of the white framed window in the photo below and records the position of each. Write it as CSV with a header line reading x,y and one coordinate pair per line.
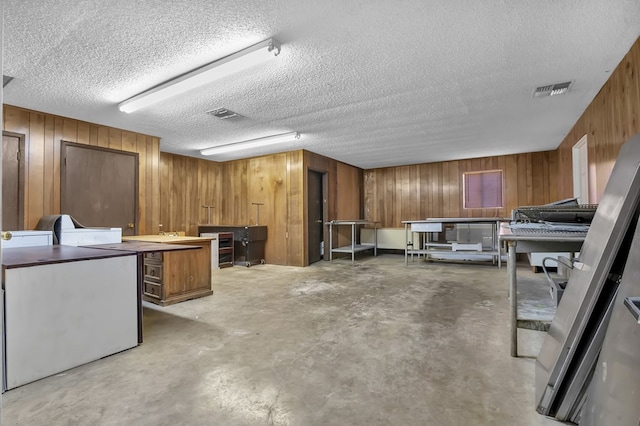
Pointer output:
x,y
483,190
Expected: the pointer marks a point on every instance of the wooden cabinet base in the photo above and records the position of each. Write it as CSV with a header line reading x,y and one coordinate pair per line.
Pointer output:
x,y
177,299
175,276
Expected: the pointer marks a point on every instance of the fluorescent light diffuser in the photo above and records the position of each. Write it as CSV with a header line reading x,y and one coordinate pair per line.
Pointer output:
x,y
246,58
253,143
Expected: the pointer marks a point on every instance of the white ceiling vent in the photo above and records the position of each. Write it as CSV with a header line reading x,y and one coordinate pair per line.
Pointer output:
x,y
223,113
552,89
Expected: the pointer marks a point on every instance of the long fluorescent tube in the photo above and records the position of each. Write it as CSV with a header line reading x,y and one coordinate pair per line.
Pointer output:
x,y
253,143
246,58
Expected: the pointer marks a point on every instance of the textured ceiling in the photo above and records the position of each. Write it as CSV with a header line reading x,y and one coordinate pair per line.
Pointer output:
x,y
371,83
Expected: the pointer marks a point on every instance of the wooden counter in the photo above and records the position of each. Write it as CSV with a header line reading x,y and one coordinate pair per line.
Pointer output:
x,y
176,276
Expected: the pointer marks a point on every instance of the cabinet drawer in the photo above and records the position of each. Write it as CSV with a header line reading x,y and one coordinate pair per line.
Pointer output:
x,y
153,257
153,289
153,272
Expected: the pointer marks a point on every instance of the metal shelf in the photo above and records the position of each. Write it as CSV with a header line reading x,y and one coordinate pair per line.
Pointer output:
x,y
355,246
435,225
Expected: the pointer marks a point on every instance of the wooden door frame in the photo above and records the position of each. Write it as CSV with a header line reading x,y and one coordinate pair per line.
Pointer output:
x,y
23,172
325,210
63,162
580,170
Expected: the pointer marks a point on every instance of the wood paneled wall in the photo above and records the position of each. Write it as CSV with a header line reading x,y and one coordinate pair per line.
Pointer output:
x,y
231,187
421,191
277,181
43,133
345,185
186,184
268,179
609,121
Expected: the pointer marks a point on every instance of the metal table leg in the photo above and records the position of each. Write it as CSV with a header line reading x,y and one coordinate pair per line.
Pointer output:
x,y
353,242
406,244
375,239
330,242
513,296
496,244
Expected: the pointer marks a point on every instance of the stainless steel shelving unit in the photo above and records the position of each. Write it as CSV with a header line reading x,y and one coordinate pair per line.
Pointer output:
x,y
431,225
355,246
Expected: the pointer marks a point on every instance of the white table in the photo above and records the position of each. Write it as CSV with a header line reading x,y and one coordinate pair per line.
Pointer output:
x,y
354,247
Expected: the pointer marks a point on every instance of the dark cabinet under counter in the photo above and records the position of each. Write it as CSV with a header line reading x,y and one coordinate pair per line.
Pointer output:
x,y
248,241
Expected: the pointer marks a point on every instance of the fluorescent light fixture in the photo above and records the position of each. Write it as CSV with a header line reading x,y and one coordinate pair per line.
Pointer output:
x,y
253,143
246,58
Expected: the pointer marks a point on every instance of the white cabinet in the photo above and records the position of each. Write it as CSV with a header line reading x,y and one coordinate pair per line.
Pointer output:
x,y
62,315
90,236
28,239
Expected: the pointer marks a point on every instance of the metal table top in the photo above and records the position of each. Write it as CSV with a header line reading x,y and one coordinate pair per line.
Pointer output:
x,y
459,220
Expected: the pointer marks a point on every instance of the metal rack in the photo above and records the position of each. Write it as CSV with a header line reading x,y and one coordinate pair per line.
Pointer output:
x,y
249,241
355,246
436,225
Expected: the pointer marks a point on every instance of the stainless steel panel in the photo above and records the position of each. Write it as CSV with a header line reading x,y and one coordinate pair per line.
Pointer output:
x,y
578,381
614,395
609,226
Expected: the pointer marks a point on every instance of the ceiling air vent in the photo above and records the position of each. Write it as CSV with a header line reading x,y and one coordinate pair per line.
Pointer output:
x,y
6,80
552,89
223,113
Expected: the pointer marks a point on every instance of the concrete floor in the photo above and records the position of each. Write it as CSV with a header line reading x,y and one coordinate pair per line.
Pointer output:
x,y
374,343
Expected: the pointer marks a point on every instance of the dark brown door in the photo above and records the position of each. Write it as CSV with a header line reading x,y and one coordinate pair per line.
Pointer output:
x,y
316,209
12,182
99,186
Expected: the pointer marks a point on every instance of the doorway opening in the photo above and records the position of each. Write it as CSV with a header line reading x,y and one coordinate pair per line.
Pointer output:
x,y
580,158
316,208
